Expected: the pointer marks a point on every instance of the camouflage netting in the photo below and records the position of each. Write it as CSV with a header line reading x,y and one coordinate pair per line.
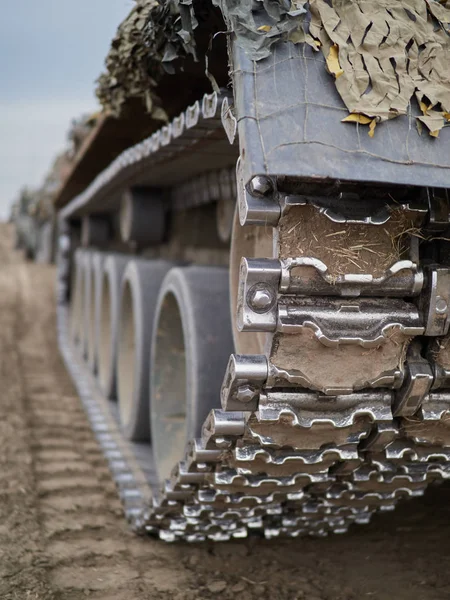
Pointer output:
x,y
152,36
155,34
382,53
258,24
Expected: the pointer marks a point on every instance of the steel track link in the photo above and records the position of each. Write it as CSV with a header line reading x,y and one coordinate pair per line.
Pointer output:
x,y
287,454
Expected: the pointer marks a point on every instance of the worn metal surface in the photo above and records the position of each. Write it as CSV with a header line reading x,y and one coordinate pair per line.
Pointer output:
x,y
289,121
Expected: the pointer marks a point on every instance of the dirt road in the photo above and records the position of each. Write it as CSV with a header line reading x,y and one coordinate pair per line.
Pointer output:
x,y
62,535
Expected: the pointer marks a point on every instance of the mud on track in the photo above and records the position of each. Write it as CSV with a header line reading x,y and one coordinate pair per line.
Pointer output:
x,y
62,535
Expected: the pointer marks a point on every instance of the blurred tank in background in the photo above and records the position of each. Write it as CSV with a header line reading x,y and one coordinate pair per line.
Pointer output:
x,y
22,216
33,212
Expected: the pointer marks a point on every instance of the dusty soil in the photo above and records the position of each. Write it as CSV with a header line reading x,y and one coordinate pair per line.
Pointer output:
x,y
62,535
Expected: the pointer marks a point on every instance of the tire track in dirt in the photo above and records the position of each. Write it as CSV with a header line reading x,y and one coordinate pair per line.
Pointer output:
x,y
62,534
22,558
87,545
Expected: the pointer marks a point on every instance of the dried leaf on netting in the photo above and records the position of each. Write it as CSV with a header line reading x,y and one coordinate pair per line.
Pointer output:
x,y
389,51
332,60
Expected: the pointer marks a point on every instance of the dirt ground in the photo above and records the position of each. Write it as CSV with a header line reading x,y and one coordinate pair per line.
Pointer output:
x,y
62,535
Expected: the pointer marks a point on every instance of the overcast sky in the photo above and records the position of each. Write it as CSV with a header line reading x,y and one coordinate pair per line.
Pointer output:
x,y
51,52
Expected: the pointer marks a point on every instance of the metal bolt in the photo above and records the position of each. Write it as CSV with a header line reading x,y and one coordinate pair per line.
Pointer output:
x,y
245,394
260,186
260,299
222,442
441,305
202,467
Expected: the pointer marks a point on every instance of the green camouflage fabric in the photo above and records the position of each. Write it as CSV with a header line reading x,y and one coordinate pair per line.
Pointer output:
x,y
145,46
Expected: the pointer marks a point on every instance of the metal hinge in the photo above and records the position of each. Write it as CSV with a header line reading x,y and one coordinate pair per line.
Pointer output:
x,y
261,202
417,383
244,379
309,276
435,301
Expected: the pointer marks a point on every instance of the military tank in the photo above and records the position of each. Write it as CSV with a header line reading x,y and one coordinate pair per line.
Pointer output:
x,y
254,267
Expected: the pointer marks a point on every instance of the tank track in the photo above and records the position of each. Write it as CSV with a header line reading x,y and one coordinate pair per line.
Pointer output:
x,y
292,453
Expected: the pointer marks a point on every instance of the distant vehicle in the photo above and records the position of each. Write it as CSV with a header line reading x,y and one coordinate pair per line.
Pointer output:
x,y
34,213
22,215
